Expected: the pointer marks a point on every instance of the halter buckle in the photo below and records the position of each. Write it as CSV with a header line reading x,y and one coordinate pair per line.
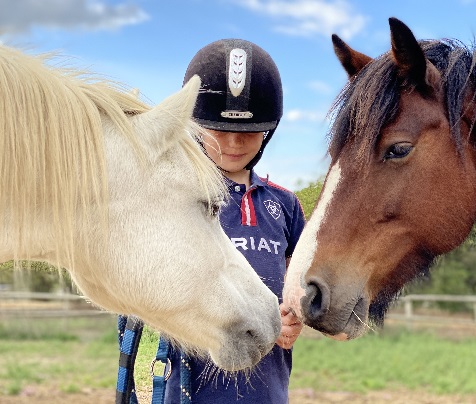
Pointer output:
x,y
167,369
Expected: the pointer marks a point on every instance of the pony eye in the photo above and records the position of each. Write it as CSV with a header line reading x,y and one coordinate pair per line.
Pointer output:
x,y
213,207
398,151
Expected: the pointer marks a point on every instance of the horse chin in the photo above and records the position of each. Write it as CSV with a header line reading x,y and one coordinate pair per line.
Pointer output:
x,y
351,331
234,354
344,327
230,356
339,337
232,363
241,355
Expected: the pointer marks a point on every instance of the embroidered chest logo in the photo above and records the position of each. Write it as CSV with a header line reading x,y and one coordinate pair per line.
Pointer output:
x,y
274,208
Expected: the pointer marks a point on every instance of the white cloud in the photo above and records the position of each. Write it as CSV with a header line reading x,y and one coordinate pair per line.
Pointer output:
x,y
310,17
298,115
22,15
321,87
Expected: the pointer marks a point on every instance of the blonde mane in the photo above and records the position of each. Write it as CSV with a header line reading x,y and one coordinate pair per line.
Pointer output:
x,y
52,156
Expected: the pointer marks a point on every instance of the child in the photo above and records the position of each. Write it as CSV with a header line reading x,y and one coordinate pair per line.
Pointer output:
x,y
240,105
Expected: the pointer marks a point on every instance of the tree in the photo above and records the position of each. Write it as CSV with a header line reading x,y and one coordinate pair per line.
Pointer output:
x,y
35,276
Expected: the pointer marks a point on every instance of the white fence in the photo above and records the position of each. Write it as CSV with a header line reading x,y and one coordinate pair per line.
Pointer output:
x,y
39,305
31,304
410,314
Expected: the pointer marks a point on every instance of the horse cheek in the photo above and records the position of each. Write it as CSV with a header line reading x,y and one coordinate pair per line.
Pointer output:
x,y
448,212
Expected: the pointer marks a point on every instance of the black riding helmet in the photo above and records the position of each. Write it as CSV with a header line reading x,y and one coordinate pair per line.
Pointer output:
x,y
241,89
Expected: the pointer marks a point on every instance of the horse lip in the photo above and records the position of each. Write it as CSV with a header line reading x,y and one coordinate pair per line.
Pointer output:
x,y
353,328
357,325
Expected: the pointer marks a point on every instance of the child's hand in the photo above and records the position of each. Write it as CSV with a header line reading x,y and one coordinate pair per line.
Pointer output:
x,y
290,328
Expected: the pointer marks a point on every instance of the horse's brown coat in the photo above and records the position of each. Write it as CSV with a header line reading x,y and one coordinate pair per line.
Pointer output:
x,y
407,188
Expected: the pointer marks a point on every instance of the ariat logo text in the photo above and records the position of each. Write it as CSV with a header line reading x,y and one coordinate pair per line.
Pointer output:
x,y
259,245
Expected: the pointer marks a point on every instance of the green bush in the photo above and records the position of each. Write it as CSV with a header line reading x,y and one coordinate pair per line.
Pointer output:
x,y
34,276
308,197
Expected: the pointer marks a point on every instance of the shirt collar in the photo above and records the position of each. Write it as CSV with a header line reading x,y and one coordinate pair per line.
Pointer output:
x,y
256,181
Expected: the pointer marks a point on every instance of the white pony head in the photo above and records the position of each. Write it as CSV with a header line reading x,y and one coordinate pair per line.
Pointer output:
x,y
122,196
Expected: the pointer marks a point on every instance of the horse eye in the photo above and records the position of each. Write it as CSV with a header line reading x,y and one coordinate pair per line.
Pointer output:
x,y
398,151
213,207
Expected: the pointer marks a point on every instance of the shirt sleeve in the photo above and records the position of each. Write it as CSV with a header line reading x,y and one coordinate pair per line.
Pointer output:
x,y
296,226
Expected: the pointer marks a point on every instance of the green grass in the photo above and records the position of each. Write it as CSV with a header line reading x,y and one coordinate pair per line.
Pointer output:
x,y
145,355
391,361
64,355
83,354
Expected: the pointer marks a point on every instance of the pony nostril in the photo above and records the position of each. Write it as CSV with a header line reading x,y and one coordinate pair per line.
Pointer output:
x,y
259,343
316,301
315,304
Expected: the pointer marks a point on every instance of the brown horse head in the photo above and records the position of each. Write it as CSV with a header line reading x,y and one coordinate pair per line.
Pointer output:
x,y
401,188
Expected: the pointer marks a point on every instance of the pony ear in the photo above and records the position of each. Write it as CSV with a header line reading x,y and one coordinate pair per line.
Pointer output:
x,y
352,61
162,124
408,55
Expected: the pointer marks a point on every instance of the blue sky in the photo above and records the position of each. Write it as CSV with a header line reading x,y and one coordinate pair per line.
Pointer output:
x,y
148,44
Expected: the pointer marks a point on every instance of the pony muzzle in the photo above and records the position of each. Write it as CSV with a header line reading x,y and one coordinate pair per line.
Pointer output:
x,y
246,345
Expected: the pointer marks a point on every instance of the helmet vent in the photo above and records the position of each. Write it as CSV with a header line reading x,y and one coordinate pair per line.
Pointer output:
x,y
237,71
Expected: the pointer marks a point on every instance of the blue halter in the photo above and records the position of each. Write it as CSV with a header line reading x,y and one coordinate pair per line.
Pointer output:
x,y
129,334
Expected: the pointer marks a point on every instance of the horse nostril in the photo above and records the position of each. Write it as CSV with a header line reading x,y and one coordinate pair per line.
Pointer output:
x,y
315,304
316,301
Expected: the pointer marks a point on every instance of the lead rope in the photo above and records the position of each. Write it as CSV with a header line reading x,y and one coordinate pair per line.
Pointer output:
x,y
129,334
159,382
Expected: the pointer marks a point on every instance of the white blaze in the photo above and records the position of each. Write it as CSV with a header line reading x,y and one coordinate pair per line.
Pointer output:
x,y
306,247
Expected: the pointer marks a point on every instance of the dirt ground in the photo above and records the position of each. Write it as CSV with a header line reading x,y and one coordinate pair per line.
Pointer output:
x,y
302,396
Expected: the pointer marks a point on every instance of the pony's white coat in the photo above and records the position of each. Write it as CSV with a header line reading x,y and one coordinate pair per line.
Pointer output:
x,y
119,194
294,287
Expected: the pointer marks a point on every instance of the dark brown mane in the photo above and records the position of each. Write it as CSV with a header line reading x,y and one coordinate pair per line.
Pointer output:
x,y
370,101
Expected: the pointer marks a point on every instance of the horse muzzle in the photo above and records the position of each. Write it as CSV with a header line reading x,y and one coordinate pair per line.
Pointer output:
x,y
338,314
251,346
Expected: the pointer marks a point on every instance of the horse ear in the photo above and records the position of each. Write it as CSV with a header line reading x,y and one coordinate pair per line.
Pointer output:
x,y
409,57
162,124
352,61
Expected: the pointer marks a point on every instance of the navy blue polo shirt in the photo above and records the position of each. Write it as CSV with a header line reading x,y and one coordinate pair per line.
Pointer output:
x,y
264,223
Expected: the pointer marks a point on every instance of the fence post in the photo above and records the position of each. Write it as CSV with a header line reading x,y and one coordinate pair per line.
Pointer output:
x,y
408,308
408,305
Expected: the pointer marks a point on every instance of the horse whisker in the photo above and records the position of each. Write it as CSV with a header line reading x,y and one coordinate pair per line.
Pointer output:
x,y
363,322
